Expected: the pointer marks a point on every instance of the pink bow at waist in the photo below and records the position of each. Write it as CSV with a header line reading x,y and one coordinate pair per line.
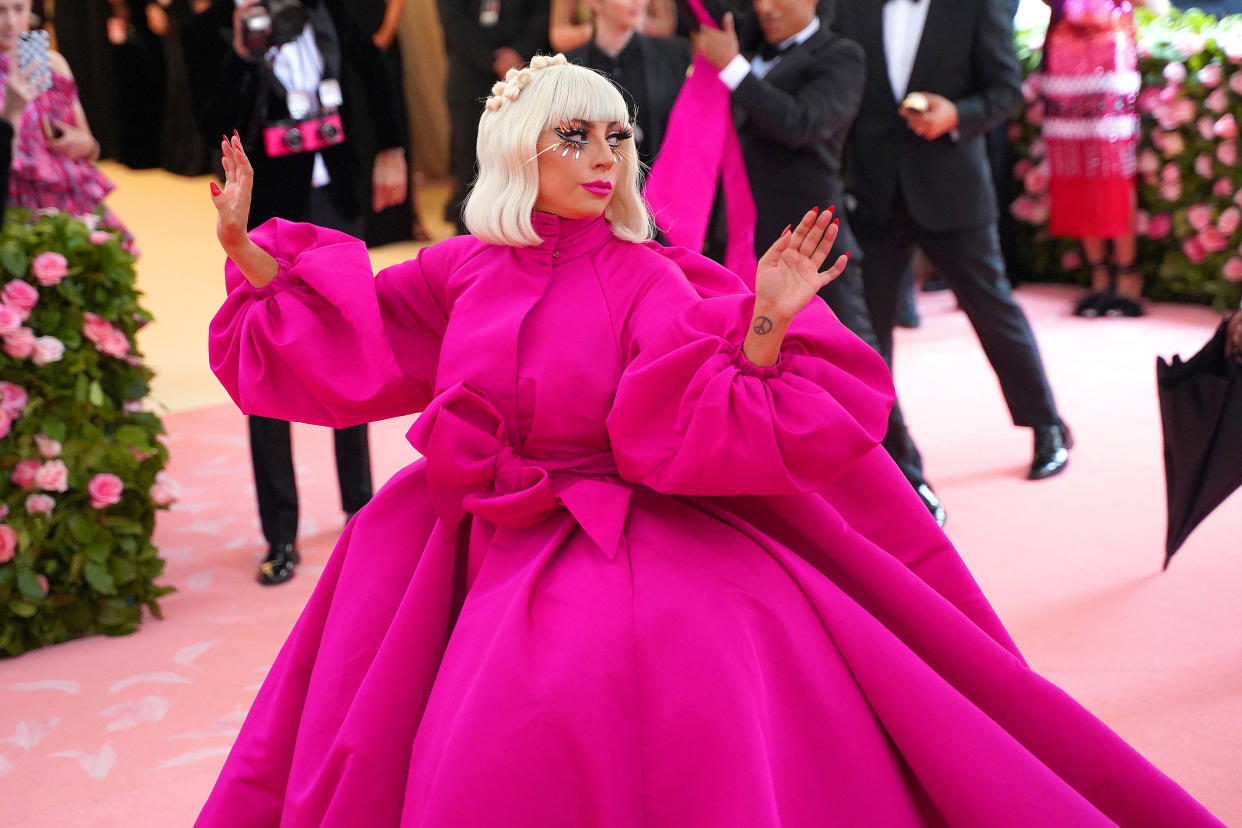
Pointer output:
x,y
472,468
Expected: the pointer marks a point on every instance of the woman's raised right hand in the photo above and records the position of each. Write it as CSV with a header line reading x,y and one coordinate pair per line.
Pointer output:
x,y
233,202
233,214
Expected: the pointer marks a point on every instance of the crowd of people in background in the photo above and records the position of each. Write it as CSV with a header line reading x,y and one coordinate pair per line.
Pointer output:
x,y
879,107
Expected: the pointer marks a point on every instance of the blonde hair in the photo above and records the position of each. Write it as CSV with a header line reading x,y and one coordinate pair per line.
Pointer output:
x,y
524,105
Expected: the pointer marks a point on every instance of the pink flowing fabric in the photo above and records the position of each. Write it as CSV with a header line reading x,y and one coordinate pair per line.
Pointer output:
x,y
636,580
700,149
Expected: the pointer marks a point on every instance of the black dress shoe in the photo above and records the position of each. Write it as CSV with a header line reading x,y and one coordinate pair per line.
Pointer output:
x,y
932,503
277,567
1052,445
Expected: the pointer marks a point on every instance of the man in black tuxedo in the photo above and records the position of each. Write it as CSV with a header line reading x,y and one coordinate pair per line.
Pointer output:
x,y
922,178
234,90
796,87
483,39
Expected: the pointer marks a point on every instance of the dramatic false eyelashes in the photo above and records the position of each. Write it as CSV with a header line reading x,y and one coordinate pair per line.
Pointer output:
x,y
573,138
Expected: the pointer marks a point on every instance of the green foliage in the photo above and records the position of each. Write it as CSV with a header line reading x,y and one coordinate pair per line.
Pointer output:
x,y
86,567
1199,257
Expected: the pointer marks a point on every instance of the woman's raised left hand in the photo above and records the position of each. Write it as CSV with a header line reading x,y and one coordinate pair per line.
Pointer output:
x,y
787,278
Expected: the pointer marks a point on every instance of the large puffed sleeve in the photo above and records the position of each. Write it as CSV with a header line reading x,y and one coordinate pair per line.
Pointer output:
x,y
693,416
317,344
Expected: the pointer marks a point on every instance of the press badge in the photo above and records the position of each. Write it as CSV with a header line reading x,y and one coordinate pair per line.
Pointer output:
x,y
489,13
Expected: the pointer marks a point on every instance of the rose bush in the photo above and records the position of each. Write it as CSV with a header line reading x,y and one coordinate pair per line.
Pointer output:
x,y
81,462
1188,222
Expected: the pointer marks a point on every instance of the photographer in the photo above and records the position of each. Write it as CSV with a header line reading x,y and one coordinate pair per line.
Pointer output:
x,y
274,71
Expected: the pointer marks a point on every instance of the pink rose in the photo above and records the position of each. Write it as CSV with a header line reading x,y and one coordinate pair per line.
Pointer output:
x,y
1174,72
1237,198
13,398
1218,101
1040,209
1232,269
1206,127
1203,165
1171,191
1039,149
1035,113
1071,260
40,504
4,511
48,349
94,327
1193,248
100,237
1213,240
1014,132
25,473
1021,168
1235,82
1148,162
1142,220
6,424
1173,144
1230,220
115,344
1036,180
19,294
49,268
20,343
1030,88
1227,153
1183,111
1147,99
1199,216
1226,127
1223,188
1021,209
1231,45
1211,75
10,319
165,490
43,585
105,490
48,448
1170,173
53,476
1189,44
8,542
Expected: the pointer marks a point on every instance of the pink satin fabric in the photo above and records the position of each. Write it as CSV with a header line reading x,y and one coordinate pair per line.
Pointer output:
x,y
701,149
636,581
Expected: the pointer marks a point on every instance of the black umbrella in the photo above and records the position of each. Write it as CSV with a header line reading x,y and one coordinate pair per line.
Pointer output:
x,y
1201,410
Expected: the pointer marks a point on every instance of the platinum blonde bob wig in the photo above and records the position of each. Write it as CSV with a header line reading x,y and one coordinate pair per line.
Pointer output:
x,y
524,105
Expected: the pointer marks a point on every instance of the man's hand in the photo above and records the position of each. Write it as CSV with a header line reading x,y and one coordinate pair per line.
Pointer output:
x,y
238,46
718,46
504,59
940,117
1233,337
389,179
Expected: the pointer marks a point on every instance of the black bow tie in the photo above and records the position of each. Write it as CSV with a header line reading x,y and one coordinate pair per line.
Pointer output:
x,y
770,52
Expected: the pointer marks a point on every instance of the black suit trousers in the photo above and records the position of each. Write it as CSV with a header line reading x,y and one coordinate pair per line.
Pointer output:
x,y
971,262
271,449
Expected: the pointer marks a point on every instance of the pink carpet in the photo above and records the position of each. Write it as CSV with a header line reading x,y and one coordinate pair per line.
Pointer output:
x,y
132,731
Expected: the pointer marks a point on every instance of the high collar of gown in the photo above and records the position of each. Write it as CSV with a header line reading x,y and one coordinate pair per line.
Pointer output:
x,y
565,239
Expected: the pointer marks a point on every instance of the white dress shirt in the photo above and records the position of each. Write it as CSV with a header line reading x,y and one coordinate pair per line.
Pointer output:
x,y
903,30
736,70
299,66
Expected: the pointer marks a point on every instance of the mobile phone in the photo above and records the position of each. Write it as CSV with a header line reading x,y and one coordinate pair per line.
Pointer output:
x,y
32,59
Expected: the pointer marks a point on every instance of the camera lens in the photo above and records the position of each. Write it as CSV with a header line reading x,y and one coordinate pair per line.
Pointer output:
x,y
328,132
293,138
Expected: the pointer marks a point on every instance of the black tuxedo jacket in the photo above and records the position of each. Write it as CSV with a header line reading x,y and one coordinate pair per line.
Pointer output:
x,y
966,54
523,27
226,92
793,124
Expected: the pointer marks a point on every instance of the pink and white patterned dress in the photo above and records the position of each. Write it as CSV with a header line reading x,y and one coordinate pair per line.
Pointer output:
x,y
1090,86
45,180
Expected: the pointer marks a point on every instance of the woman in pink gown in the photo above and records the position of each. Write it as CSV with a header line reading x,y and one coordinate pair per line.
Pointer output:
x,y
654,568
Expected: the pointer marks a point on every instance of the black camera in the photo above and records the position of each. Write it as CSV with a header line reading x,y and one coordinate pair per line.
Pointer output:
x,y
271,23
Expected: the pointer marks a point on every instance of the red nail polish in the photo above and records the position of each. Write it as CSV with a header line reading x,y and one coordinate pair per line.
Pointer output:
x,y
215,190
835,222
815,210
788,227
847,255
